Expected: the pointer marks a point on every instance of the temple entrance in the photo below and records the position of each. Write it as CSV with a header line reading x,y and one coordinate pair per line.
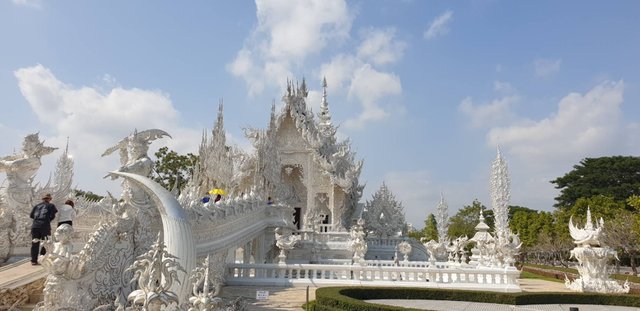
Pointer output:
x,y
297,214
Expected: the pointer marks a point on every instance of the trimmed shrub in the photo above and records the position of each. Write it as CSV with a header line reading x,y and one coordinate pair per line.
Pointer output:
x,y
351,298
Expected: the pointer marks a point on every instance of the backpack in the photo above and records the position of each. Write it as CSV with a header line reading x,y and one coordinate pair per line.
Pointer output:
x,y
41,212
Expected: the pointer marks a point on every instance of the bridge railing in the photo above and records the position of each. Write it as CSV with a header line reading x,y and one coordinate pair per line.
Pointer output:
x,y
319,274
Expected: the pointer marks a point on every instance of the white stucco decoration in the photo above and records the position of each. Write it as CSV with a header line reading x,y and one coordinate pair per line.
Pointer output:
x,y
593,259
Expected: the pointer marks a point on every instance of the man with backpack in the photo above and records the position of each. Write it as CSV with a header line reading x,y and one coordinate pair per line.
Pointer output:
x,y
42,214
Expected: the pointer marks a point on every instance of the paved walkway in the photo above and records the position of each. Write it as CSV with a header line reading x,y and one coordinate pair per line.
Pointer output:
x,y
443,305
292,298
19,273
280,298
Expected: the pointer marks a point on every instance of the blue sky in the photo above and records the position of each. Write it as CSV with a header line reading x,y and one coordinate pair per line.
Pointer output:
x,y
423,89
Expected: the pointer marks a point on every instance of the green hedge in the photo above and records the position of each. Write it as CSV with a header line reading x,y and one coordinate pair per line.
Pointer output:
x,y
351,298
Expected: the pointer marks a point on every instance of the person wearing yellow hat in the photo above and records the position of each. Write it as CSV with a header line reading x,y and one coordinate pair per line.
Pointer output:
x,y
42,214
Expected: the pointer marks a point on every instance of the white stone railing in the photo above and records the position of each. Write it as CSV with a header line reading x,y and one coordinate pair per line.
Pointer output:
x,y
214,236
496,279
325,228
383,242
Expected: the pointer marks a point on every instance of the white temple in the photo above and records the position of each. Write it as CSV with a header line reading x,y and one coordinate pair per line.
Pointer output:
x,y
290,217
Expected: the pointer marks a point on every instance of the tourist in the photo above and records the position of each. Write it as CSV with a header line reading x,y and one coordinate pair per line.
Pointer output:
x,y
269,201
218,198
206,199
67,213
42,214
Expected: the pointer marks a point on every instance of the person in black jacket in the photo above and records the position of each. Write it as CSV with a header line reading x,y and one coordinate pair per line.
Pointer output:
x,y
42,215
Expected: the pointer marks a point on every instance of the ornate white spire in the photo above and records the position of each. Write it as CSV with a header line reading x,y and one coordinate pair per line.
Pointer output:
x,y
63,176
215,162
500,193
324,115
442,219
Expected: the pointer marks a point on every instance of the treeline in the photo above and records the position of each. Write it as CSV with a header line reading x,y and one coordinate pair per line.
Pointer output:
x,y
609,186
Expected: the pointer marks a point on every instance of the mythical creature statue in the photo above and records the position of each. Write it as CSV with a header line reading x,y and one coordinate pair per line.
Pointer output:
x,y
435,249
593,259
60,263
134,159
456,250
285,243
358,242
17,194
589,235
405,249
508,246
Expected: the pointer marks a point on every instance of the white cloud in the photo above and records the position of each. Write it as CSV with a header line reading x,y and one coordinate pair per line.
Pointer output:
x,y
546,67
369,86
36,4
488,115
339,71
583,125
363,82
379,46
94,119
503,87
288,32
439,26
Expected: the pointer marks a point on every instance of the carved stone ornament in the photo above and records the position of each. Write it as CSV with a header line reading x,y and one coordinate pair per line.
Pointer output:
x,y
593,259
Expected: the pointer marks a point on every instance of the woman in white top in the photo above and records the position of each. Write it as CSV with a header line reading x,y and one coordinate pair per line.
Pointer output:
x,y
66,213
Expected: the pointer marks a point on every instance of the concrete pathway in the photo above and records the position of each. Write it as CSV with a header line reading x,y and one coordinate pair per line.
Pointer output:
x,y
292,298
19,273
443,305
280,298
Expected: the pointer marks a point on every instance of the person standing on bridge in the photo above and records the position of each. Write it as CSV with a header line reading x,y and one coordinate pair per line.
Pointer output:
x,y
42,215
67,213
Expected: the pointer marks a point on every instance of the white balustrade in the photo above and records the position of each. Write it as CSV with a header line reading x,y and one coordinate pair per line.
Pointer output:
x,y
419,274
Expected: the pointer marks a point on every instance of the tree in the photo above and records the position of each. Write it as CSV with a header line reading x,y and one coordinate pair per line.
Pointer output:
x,y
557,243
621,233
601,206
528,224
90,196
617,177
171,165
464,222
429,232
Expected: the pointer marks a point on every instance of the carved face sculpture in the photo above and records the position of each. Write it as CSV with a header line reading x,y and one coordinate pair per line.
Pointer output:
x,y
64,233
138,148
30,144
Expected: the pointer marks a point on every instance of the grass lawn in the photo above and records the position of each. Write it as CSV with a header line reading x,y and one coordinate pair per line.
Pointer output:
x,y
621,277
529,275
